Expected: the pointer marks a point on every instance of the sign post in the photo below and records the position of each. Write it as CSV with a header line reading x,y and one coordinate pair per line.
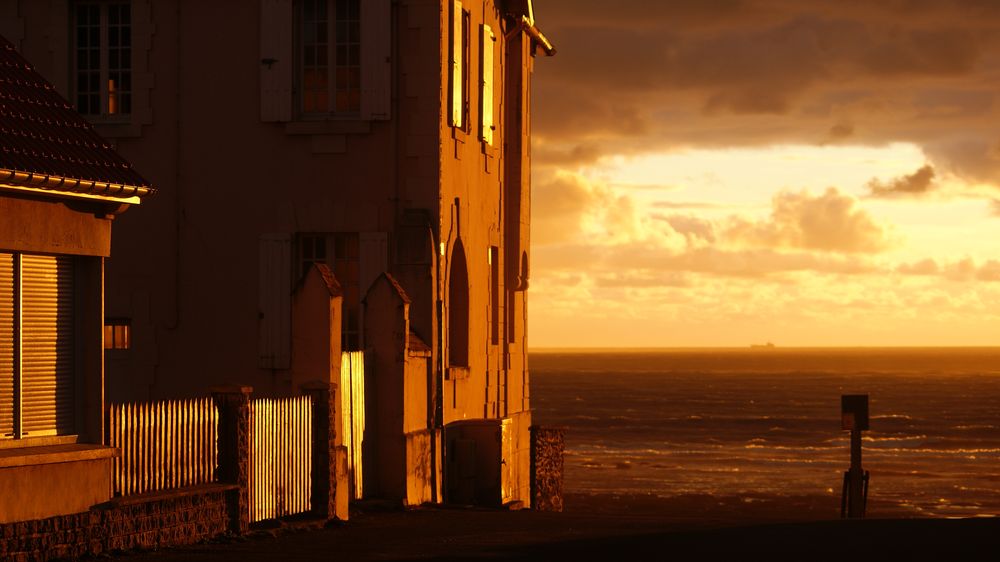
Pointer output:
x,y
854,417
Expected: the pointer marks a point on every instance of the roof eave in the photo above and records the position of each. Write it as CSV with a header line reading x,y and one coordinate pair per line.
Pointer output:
x,y
72,187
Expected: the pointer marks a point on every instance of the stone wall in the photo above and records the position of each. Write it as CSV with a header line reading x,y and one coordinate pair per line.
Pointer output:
x,y
154,520
547,448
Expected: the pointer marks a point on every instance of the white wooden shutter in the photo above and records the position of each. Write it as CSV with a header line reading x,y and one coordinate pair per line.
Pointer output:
x,y
376,59
486,84
6,345
47,372
276,60
457,95
275,300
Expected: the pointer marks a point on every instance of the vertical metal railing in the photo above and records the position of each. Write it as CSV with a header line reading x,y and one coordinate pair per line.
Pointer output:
x,y
163,445
352,412
280,457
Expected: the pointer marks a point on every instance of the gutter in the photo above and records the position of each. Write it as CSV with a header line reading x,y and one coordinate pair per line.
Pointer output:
x,y
72,187
527,26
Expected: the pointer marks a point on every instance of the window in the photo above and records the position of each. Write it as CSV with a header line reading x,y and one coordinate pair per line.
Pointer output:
x,y
341,252
458,308
36,345
102,58
459,76
117,333
494,259
329,56
325,59
487,38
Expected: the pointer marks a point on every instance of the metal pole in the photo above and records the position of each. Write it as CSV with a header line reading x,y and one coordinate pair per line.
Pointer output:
x,y
855,504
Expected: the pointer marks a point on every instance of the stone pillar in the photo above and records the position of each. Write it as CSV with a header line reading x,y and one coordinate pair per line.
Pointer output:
x,y
324,455
233,404
547,447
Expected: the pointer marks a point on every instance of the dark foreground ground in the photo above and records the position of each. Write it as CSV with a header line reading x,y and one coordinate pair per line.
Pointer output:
x,y
603,528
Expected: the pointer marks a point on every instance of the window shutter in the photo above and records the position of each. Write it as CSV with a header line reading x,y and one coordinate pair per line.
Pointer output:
x,y
376,57
275,292
486,73
276,60
6,345
457,96
47,379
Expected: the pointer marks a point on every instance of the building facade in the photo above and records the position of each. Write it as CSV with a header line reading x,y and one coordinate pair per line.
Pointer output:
x,y
61,186
373,137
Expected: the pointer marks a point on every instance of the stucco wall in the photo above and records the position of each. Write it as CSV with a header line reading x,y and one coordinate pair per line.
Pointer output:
x,y
53,226
43,490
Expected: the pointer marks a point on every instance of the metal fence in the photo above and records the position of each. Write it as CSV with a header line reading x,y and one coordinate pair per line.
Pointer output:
x,y
163,445
352,412
280,457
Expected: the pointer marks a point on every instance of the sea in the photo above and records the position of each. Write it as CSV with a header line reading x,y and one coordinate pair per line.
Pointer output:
x,y
766,422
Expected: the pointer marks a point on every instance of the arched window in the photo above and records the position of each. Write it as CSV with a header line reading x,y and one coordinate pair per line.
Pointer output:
x,y
458,308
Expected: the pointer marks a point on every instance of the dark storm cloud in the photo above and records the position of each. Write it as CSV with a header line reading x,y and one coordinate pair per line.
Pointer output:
x,y
634,76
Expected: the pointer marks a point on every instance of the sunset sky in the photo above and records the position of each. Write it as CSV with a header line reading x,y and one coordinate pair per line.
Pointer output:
x,y
727,172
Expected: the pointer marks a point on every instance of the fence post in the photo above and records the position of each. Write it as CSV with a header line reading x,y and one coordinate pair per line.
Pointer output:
x,y
233,403
324,456
548,445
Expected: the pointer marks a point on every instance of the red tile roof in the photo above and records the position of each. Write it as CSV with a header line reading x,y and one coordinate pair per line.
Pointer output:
x,y
46,145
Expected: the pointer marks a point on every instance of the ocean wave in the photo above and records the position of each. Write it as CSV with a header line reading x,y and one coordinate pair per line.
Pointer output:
x,y
775,447
973,427
892,417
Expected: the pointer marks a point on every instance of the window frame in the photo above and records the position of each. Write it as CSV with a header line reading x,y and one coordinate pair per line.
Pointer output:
x,y
460,54
333,85
115,104
118,326
19,436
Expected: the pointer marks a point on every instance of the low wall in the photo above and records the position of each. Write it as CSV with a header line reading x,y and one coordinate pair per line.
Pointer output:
x,y
154,520
547,447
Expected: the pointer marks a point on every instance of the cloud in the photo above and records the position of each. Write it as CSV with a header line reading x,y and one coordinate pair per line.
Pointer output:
x,y
641,263
962,270
594,229
647,76
694,229
830,222
995,207
840,131
926,266
688,205
568,205
918,183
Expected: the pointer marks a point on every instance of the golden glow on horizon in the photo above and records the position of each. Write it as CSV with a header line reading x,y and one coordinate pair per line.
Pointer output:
x,y
692,248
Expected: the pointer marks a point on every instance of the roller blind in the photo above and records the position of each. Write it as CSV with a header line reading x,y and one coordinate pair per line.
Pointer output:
x,y
47,345
6,345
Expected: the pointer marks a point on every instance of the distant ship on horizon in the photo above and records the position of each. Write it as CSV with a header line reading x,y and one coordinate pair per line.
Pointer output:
x,y
767,345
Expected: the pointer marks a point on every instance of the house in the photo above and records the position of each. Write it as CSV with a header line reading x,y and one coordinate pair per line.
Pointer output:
x,y
61,187
385,140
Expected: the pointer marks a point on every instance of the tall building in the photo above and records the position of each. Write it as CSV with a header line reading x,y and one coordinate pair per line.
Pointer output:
x,y
387,140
